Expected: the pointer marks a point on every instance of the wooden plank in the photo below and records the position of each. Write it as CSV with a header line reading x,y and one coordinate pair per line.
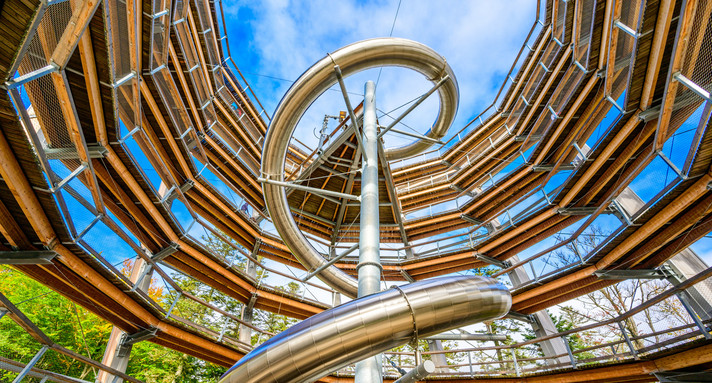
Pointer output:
x,y
11,230
23,321
76,26
662,28
671,91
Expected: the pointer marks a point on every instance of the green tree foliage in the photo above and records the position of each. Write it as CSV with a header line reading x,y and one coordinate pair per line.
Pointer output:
x,y
152,363
78,329
63,321
274,322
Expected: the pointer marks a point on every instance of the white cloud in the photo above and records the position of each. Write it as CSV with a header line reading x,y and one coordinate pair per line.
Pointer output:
x,y
479,38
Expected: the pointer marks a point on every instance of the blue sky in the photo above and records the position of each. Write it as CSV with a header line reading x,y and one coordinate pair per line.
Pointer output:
x,y
274,41
279,39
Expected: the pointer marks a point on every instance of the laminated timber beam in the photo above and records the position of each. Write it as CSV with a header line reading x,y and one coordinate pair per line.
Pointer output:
x,y
392,195
548,143
22,191
347,188
168,135
553,75
563,123
164,227
531,64
683,201
23,321
642,371
11,230
688,15
641,247
600,160
72,34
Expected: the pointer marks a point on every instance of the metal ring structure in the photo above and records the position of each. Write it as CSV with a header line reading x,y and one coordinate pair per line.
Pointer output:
x,y
310,85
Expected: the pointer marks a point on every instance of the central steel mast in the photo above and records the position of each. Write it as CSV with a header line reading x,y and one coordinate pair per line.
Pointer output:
x,y
369,265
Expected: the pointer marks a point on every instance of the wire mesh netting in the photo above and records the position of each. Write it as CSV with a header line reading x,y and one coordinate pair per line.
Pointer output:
x,y
160,34
560,17
48,33
585,12
699,48
566,88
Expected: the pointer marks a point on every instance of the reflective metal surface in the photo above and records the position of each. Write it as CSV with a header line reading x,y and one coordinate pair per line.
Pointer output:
x,y
369,266
317,79
370,325
421,371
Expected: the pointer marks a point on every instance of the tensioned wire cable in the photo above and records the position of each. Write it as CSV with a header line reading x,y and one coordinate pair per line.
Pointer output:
x,y
390,34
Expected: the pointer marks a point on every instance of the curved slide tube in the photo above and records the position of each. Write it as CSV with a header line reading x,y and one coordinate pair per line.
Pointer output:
x,y
310,85
370,325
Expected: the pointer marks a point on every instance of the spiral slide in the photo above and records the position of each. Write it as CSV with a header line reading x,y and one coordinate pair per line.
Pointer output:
x,y
370,325
382,320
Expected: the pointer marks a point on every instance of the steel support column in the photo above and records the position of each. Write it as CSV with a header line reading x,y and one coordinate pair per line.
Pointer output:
x,y
543,324
439,359
244,332
31,364
369,266
117,353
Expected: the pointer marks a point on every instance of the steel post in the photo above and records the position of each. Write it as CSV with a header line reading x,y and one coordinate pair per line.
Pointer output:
x,y
247,314
369,266
627,340
117,352
569,351
418,373
28,366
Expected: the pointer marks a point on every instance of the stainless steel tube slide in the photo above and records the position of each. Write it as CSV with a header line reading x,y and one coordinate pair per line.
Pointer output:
x,y
310,85
370,325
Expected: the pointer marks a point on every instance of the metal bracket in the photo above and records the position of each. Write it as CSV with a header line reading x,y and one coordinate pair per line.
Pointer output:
x,y
626,29
19,81
683,376
166,251
493,261
684,298
187,186
129,339
622,213
649,113
700,91
548,168
252,301
661,273
145,269
461,190
28,257
71,153
615,104
583,210
407,276
526,318
471,220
